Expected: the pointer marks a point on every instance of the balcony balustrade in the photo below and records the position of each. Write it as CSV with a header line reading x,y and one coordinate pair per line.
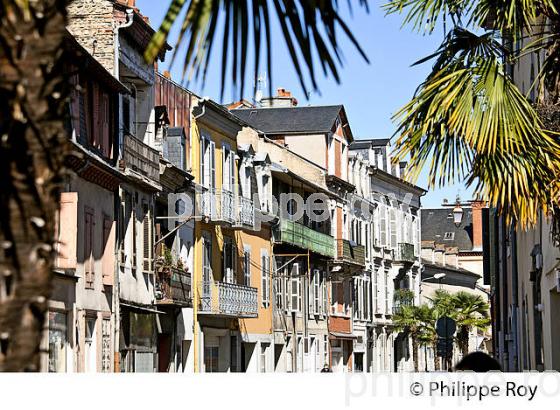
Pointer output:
x,y
405,253
141,157
352,254
246,212
174,286
228,299
295,233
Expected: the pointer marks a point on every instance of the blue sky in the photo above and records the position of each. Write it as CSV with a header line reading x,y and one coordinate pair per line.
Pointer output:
x,y
370,93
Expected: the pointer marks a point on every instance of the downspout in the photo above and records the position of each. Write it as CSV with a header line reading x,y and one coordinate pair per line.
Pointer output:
x,y
119,236
116,41
194,279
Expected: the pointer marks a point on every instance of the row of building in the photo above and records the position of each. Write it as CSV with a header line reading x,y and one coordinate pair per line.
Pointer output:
x,y
196,237
173,254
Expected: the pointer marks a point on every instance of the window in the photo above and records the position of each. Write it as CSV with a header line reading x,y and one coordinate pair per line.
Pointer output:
x,y
382,225
265,279
315,294
295,288
228,259
208,163
207,259
147,238
58,340
88,248
211,359
264,349
393,227
247,266
228,168
279,282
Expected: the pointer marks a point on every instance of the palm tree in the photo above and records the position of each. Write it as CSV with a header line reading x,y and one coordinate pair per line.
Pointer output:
x,y
428,316
468,120
470,312
409,319
32,136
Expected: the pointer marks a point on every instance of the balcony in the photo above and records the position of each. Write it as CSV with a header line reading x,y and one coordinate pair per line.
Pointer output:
x,y
246,215
225,207
173,286
351,254
228,299
140,157
300,235
405,253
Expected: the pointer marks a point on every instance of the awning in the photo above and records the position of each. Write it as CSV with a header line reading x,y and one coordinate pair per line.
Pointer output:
x,y
340,335
141,308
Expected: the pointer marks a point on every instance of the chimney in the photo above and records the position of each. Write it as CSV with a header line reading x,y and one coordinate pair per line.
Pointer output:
x,y
477,207
283,98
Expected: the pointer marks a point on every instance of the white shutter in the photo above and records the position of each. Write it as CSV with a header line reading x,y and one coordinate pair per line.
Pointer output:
x,y
295,301
212,162
382,225
393,227
317,292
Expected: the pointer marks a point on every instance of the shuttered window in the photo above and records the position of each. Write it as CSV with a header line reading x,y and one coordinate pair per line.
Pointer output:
x,y
108,251
228,261
382,225
393,227
247,266
88,248
147,239
295,289
265,279
67,227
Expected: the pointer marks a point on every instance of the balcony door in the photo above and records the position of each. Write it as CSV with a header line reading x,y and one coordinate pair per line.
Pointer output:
x,y
206,272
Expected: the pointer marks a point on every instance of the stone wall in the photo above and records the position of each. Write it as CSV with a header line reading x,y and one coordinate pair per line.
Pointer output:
x,y
91,22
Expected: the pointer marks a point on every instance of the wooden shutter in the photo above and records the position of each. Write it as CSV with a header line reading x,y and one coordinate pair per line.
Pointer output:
x,y
67,231
75,104
247,267
295,288
96,117
105,125
88,248
393,227
146,230
108,251
382,225
263,280
212,164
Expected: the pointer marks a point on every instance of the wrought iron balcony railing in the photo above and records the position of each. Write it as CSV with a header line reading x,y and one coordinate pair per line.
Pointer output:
x,y
347,252
246,212
297,234
228,299
405,253
173,286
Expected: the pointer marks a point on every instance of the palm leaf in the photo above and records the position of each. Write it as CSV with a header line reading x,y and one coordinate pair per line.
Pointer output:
x,y
308,28
474,124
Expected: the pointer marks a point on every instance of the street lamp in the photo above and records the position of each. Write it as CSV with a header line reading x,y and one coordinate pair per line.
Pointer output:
x,y
437,276
457,214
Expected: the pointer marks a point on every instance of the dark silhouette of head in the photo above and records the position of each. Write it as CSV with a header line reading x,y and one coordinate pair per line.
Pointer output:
x,y
478,362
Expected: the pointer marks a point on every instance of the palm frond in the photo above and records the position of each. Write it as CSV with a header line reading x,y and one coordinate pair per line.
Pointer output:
x,y
309,30
474,124
423,15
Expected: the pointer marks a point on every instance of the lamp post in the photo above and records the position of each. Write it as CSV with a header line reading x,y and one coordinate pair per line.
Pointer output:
x,y
457,213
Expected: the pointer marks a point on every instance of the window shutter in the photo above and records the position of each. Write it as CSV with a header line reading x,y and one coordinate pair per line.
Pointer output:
x,y
393,228
75,103
105,124
225,168
383,226
295,302
247,267
147,242
212,179
88,248
67,231
96,118
263,280
108,251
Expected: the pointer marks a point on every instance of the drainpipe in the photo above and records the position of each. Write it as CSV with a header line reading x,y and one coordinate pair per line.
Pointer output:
x,y
117,205
116,42
194,278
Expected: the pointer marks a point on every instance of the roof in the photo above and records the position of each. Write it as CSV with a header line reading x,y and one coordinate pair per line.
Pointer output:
x,y
280,120
369,143
438,222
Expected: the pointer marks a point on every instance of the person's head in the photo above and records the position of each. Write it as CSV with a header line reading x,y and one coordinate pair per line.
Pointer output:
x,y
478,362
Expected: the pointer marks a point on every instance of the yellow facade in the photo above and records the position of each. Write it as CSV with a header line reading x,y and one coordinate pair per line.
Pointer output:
x,y
257,241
